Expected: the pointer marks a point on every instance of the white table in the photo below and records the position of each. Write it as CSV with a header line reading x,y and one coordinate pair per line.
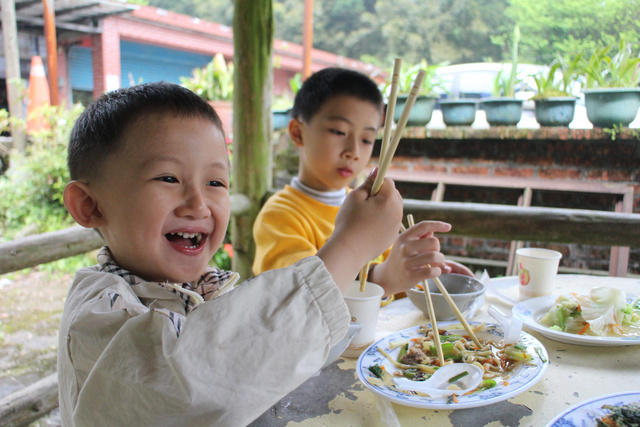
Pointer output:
x,y
576,373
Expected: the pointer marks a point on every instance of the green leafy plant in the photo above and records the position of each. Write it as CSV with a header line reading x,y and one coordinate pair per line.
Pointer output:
x,y
214,82
408,75
33,185
549,85
619,70
505,85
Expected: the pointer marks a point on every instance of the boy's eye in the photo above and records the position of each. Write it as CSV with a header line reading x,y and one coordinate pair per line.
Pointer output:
x,y
169,179
368,142
216,184
337,132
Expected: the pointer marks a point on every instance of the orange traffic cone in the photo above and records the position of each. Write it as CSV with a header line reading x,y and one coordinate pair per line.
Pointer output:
x,y
38,96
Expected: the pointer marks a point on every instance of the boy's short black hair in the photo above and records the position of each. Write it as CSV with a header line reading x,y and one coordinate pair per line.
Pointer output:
x,y
330,82
98,131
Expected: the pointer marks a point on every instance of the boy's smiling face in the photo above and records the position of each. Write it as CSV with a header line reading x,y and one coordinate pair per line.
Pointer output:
x,y
336,144
164,197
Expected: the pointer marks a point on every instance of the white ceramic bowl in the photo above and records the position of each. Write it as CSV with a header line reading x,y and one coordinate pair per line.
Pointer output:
x,y
467,292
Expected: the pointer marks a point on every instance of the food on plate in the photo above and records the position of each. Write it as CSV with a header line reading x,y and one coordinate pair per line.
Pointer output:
x,y
417,358
627,415
605,312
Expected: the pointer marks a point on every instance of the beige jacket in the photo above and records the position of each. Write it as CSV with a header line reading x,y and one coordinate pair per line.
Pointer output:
x,y
124,363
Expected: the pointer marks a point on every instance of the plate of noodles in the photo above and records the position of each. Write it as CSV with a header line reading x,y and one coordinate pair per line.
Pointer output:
x,y
562,317
510,369
610,409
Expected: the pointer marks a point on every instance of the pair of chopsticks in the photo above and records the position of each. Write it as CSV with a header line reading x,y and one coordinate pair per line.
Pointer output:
x,y
431,311
389,144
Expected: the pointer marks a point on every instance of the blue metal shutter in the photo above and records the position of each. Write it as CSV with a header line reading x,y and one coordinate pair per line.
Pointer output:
x,y
81,68
141,63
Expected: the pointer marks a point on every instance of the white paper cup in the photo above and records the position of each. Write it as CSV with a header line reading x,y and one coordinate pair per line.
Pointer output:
x,y
364,308
537,270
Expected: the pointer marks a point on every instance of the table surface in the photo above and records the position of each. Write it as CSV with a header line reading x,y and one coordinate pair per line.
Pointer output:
x,y
576,373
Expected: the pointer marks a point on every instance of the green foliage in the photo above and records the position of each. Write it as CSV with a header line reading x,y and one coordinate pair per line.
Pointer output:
x,y
504,85
570,27
549,85
619,70
214,82
32,187
407,77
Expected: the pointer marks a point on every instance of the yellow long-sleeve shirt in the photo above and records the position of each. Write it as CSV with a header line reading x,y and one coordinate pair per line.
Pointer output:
x,y
291,226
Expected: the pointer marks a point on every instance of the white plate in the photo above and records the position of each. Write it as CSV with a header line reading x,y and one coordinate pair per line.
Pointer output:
x,y
529,311
523,377
585,413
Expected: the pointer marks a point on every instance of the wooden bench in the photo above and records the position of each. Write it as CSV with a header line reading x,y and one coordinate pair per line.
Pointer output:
x,y
623,195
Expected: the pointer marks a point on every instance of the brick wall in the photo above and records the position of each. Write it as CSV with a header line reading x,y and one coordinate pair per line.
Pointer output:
x,y
584,157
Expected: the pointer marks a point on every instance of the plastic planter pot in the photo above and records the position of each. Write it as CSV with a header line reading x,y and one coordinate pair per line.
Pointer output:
x,y
458,112
420,113
502,111
555,111
612,106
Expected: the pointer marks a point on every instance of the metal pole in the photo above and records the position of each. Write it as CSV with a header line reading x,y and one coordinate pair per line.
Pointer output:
x,y
52,49
307,39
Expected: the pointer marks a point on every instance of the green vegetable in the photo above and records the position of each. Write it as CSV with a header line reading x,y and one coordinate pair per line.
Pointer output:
x,y
513,353
486,385
450,338
539,351
412,373
376,370
448,351
403,351
457,377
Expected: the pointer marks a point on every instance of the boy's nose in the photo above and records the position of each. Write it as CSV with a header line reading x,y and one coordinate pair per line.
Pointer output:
x,y
351,150
194,205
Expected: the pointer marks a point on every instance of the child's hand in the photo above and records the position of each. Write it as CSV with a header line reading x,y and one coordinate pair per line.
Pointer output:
x,y
364,228
408,259
456,268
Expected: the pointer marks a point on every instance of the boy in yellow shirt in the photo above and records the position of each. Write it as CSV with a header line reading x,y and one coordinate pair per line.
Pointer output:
x,y
336,116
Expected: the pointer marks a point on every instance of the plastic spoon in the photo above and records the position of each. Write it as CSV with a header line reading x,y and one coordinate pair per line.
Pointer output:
x,y
437,384
511,326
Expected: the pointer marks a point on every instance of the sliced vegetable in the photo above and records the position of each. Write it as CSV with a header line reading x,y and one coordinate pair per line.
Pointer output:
x,y
486,385
376,370
457,377
403,351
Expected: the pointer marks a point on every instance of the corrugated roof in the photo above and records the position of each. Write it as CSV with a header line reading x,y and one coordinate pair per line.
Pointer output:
x,y
82,16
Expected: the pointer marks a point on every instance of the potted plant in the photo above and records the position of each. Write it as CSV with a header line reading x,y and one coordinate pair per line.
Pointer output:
x,y
214,83
458,111
554,103
503,108
426,101
612,95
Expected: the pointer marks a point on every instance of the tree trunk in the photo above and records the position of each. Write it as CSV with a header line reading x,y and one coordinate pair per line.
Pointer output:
x,y
252,45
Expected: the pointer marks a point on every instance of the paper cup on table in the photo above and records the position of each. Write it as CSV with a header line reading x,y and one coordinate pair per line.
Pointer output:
x,y
364,308
537,270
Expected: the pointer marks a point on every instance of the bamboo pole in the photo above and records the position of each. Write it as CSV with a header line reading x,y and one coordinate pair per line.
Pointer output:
x,y
12,67
252,80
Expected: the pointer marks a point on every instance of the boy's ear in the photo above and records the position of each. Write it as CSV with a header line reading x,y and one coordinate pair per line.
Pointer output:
x,y
82,206
295,132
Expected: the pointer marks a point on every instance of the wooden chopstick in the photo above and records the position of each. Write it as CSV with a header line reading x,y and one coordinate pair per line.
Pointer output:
x,y
391,107
386,150
385,161
454,307
449,300
430,310
363,276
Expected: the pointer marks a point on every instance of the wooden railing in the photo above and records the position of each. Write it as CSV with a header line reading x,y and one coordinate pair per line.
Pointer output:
x,y
467,219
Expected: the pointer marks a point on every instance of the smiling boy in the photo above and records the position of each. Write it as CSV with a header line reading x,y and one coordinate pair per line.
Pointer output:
x,y
153,335
336,117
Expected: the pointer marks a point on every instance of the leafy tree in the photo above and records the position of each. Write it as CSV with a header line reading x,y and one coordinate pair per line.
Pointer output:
x,y
572,27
